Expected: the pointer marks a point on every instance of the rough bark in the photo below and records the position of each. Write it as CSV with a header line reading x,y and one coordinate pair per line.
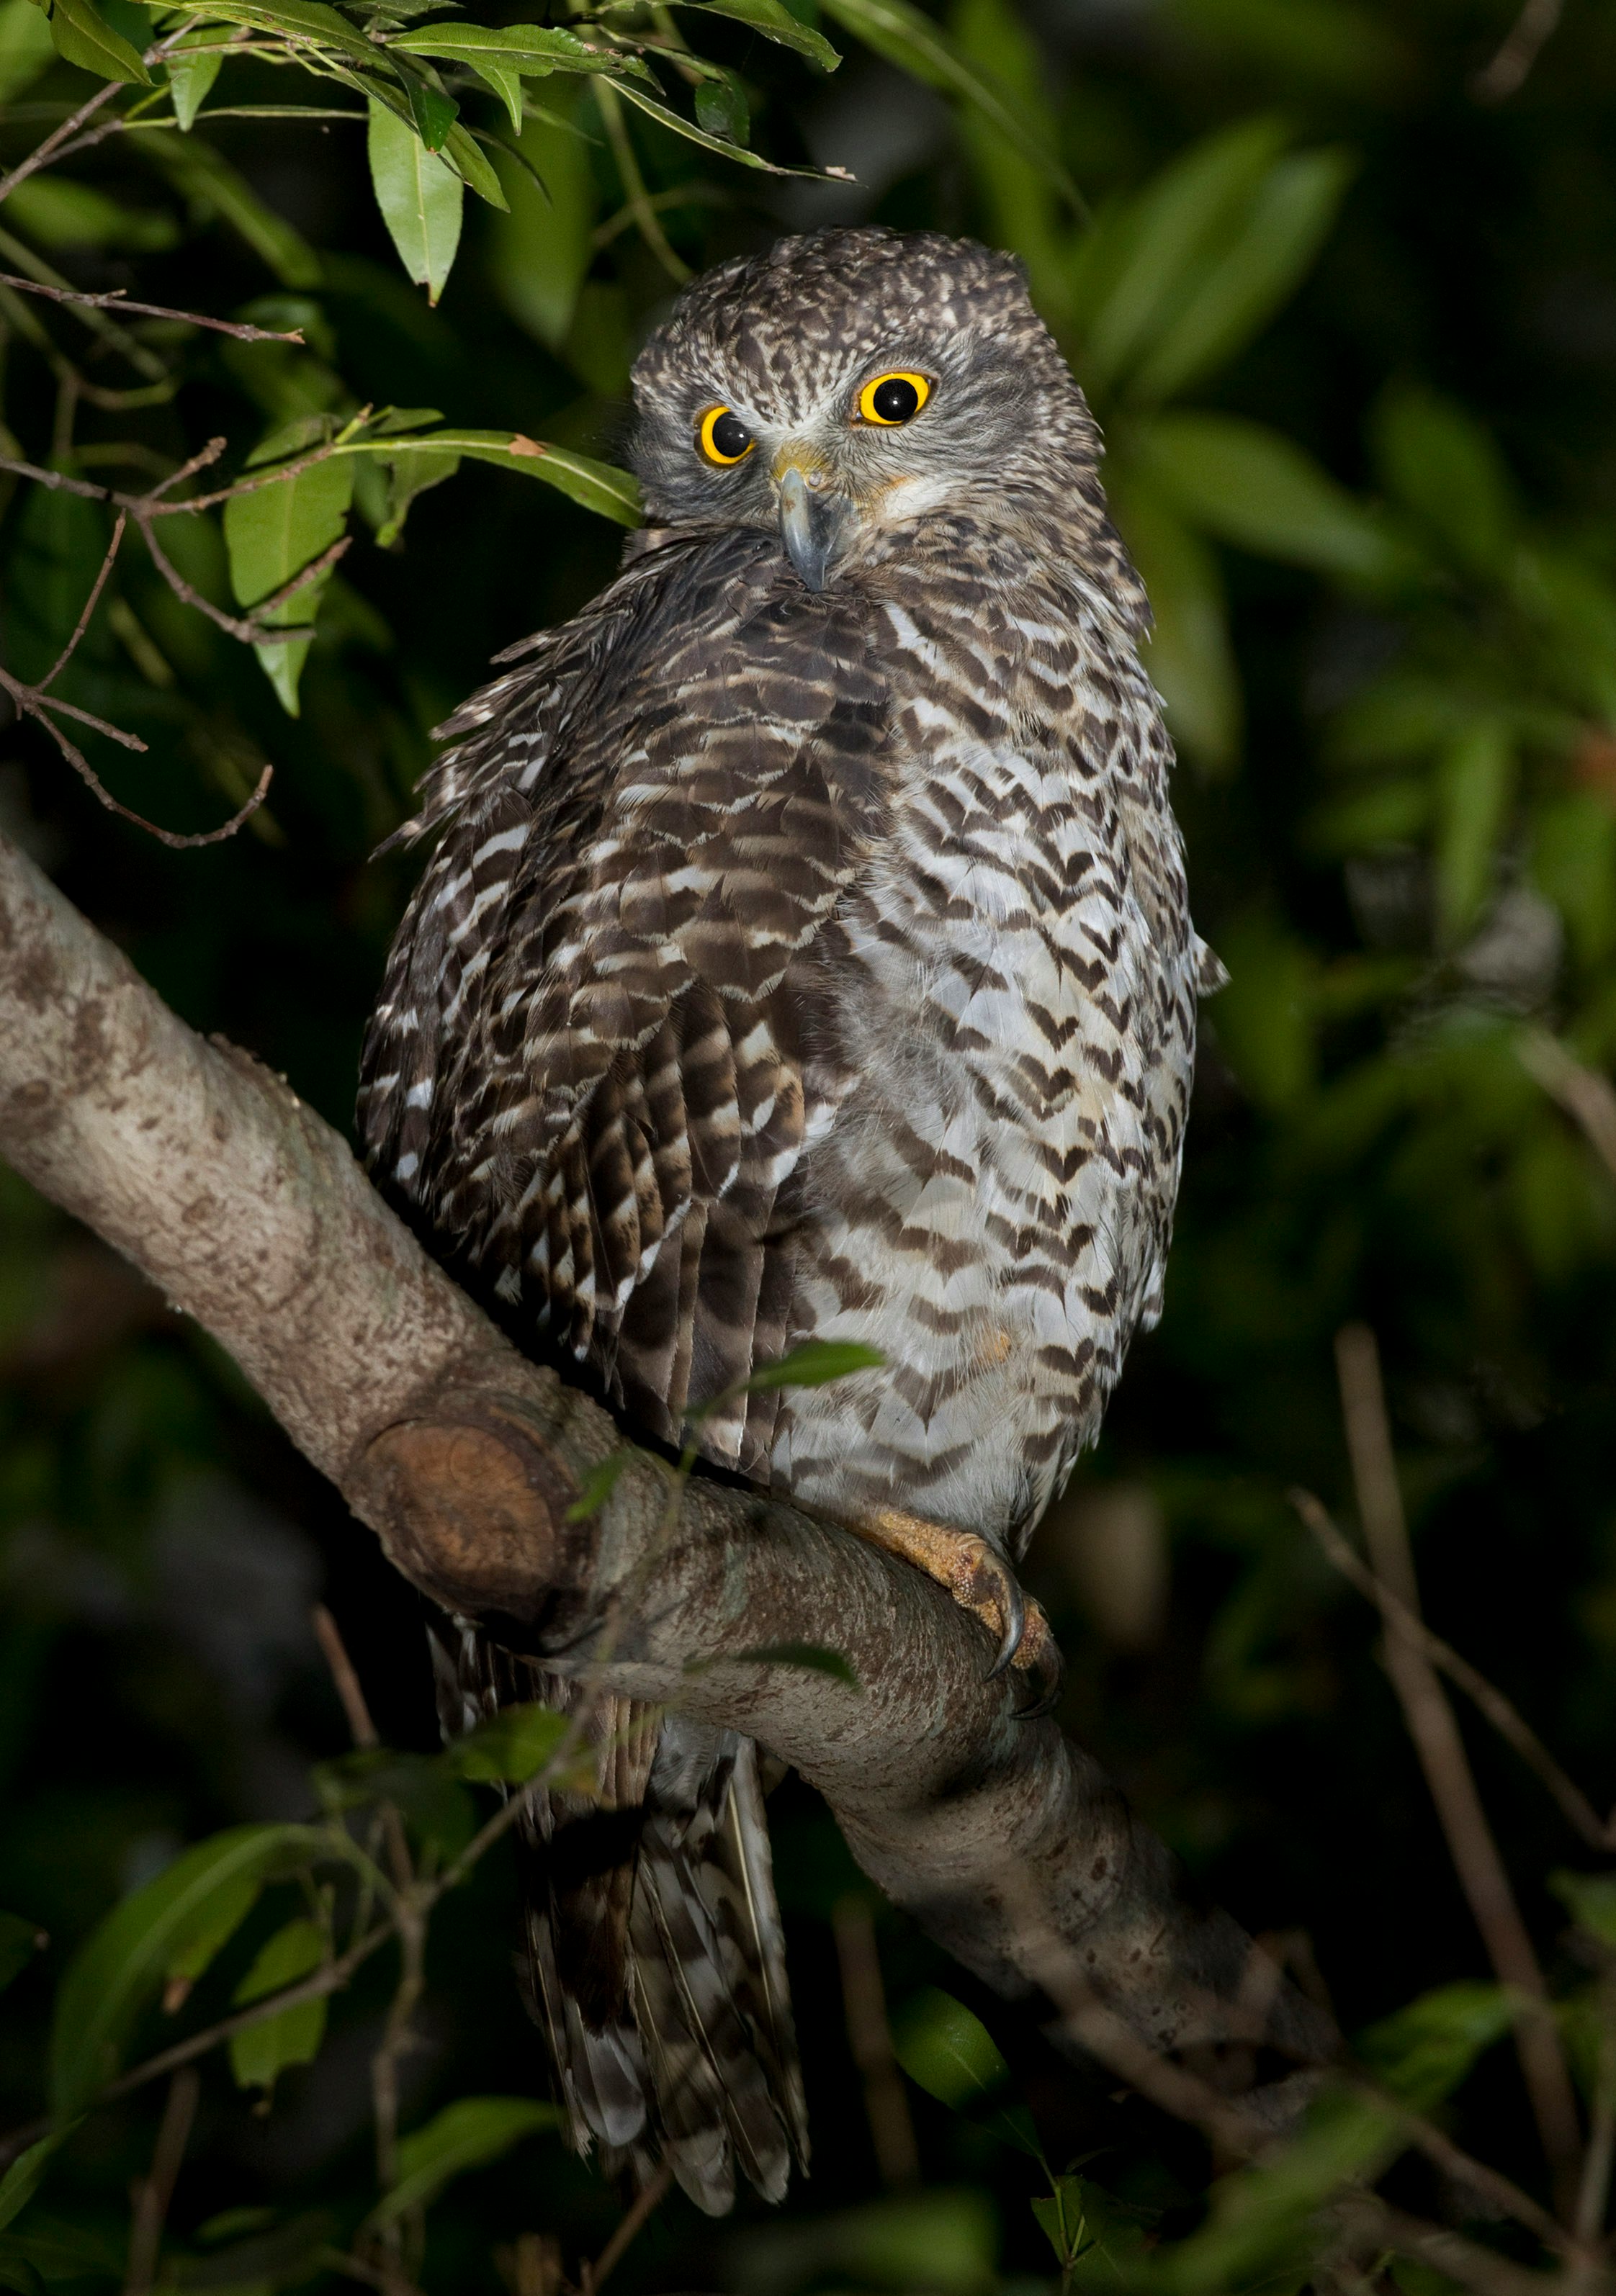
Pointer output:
x,y
1005,1841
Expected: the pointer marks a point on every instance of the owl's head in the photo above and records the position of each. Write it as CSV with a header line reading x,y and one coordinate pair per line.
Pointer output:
x,y
851,385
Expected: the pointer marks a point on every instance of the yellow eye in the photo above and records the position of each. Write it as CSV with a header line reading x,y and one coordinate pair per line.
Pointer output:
x,y
723,438
893,398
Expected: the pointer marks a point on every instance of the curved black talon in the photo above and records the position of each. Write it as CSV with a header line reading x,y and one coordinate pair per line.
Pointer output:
x,y
1049,1698
1014,1608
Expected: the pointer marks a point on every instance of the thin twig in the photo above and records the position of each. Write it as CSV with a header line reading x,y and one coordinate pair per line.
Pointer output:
x,y
27,701
156,2189
351,1691
90,604
44,154
117,301
1593,2199
1447,1773
1587,1098
870,2039
1506,1720
636,196
248,630
328,1979
646,2201
1524,43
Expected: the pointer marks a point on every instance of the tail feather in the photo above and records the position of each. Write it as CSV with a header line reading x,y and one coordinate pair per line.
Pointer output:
x,y
655,1963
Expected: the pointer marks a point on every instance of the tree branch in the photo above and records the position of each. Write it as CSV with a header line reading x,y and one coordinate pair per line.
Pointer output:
x,y
1007,1843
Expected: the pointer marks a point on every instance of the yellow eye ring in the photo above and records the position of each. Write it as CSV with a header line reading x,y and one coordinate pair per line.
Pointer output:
x,y
892,399
723,438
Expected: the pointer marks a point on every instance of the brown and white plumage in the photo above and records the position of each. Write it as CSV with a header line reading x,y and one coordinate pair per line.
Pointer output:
x,y
807,962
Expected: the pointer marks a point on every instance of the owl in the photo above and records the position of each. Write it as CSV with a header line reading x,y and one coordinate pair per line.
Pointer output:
x,y
805,953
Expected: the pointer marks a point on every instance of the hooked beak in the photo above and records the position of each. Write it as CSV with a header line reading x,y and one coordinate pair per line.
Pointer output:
x,y
813,524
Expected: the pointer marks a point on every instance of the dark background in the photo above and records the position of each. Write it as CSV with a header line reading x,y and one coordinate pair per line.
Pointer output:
x,y
1366,1141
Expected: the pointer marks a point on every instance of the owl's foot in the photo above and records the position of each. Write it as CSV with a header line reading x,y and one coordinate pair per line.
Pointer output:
x,y
981,1581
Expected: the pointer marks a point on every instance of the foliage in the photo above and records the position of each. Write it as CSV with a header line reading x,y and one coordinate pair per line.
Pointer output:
x,y
1348,328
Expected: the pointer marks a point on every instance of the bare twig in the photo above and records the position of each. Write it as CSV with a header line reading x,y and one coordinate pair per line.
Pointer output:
x,y
1523,44
233,625
1587,1098
870,2039
1505,1720
90,604
117,301
1448,1771
349,1687
650,2197
42,155
636,196
156,2189
1593,2199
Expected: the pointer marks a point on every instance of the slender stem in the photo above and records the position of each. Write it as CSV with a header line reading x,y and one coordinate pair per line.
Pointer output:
x,y
1510,1724
646,2201
870,2039
90,604
636,197
1524,43
1587,1098
1593,2198
44,154
1447,1773
156,2189
117,301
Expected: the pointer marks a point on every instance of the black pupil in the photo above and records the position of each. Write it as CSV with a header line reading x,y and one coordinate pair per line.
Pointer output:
x,y
730,436
896,399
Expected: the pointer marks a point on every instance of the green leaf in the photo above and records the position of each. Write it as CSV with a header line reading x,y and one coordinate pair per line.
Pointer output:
x,y
597,485
541,249
422,200
534,49
22,2180
303,22
172,1928
1189,659
418,1786
211,185
952,2056
261,2053
469,2134
812,1658
279,2256
56,211
19,1941
1063,2221
1425,2050
906,37
776,23
17,2273
1475,788
1240,288
632,93
510,1748
25,47
83,37
193,66
1023,209
1252,485
56,2250
433,112
271,535
815,1363
472,165
722,109
1590,1899
1142,263
1440,462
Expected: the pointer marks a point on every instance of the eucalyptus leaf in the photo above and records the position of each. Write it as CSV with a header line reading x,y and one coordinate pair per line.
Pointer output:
x,y
193,65
666,117
510,1748
271,535
469,2134
260,2053
26,46
83,37
774,22
1252,485
421,197
951,2054
597,485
